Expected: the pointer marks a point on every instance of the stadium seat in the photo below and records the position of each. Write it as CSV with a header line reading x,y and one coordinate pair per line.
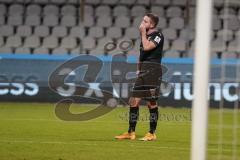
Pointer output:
x,y
137,21
24,31
176,23
191,53
103,10
50,20
102,42
231,23
6,30
136,48
216,23
4,49
58,2
68,10
179,45
97,51
237,35
2,20
34,9
162,23
181,3
6,1
169,33
234,46
114,32
158,10
75,2
226,11
68,21
50,10
137,44
32,20
13,41
41,50
192,11
118,49
233,3
88,10
77,31
132,33
120,10
161,2
41,1
1,41
171,54
88,43
122,22
92,2
96,32
138,11
218,3
41,31
187,34
59,31
75,51
50,42
109,2
127,2
24,2
22,50
15,20
226,35
31,42
104,21
218,45
192,23
15,9
88,21
59,51
166,45
3,9
174,11
143,2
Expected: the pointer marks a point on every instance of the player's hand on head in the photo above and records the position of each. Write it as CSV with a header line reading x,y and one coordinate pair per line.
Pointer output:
x,y
142,28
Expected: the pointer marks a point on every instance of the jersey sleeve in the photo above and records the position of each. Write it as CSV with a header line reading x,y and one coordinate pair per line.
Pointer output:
x,y
156,38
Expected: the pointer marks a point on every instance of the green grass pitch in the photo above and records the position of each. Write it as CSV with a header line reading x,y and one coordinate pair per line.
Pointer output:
x,y
31,131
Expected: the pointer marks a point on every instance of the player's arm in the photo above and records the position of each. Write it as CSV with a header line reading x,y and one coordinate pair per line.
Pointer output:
x,y
138,68
147,45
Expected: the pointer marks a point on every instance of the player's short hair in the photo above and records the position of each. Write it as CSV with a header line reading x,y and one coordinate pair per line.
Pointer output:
x,y
154,18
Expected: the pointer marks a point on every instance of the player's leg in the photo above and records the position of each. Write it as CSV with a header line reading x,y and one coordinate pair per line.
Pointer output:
x,y
153,115
133,113
153,119
133,117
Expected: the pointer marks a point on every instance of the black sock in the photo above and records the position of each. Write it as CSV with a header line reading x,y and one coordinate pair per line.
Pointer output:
x,y
133,117
153,118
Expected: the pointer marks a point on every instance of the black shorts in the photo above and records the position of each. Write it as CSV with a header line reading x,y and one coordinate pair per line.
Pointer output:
x,y
147,84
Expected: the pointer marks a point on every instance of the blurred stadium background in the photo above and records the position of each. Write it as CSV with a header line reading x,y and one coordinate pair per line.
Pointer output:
x,y
37,36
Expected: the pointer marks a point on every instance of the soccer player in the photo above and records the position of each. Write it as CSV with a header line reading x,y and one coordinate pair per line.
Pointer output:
x,y
149,77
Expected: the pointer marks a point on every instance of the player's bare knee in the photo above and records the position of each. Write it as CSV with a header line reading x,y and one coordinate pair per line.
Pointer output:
x,y
152,104
133,102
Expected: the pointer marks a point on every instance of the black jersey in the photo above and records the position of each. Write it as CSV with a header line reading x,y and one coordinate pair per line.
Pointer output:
x,y
154,55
